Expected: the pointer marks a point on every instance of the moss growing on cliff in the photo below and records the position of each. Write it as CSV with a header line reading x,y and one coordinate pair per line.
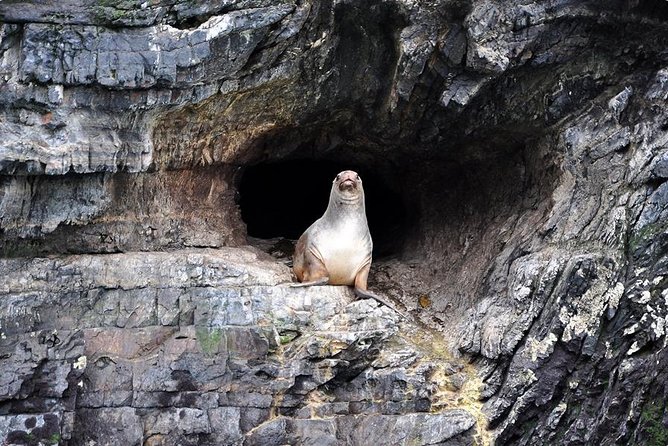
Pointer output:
x,y
647,233
110,11
655,433
209,339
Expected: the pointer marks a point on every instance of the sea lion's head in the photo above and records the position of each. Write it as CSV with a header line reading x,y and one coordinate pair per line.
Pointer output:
x,y
348,185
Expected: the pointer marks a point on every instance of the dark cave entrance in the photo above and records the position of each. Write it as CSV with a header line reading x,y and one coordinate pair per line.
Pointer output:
x,y
438,223
447,212
280,199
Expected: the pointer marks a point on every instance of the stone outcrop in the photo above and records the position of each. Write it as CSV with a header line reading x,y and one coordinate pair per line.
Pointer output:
x,y
214,347
515,160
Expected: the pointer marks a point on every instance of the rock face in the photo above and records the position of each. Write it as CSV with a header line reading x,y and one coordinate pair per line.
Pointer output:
x,y
516,153
213,347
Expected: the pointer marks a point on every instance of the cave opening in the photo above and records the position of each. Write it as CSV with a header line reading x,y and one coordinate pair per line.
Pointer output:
x,y
280,199
438,222
451,212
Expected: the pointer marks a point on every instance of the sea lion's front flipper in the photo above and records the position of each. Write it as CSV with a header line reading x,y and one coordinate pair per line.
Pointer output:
x,y
362,277
366,294
362,292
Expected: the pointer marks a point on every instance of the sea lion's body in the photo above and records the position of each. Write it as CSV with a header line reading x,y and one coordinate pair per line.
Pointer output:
x,y
336,248
338,245
343,255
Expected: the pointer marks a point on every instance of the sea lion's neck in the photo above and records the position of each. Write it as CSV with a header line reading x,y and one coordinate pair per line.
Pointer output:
x,y
340,205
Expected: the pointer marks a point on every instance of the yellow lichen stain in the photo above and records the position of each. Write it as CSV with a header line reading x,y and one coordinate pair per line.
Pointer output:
x,y
467,397
329,348
424,301
448,395
276,404
470,400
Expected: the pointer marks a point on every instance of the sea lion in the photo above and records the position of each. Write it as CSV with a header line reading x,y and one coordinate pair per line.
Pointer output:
x,y
336,248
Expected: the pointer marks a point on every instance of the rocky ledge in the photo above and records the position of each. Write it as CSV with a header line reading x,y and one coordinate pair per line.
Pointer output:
x,y
214,347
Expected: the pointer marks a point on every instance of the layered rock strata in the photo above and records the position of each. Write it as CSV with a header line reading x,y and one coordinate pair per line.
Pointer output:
x,y
214,347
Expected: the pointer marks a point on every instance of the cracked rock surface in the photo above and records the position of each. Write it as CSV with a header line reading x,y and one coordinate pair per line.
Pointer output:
x,y
212,347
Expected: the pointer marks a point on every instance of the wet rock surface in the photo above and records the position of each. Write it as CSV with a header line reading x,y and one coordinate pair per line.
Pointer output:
x,y
523,146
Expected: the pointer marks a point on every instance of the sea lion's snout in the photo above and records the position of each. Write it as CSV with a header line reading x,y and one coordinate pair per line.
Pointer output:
x,y
347,180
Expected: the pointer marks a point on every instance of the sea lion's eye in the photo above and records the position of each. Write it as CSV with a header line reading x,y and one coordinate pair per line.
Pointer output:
x,y
337,177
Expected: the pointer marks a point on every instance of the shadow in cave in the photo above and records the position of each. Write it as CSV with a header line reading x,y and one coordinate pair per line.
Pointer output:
x,y
282,199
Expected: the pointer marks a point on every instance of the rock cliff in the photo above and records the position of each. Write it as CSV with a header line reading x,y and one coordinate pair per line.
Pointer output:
x,y
158,156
